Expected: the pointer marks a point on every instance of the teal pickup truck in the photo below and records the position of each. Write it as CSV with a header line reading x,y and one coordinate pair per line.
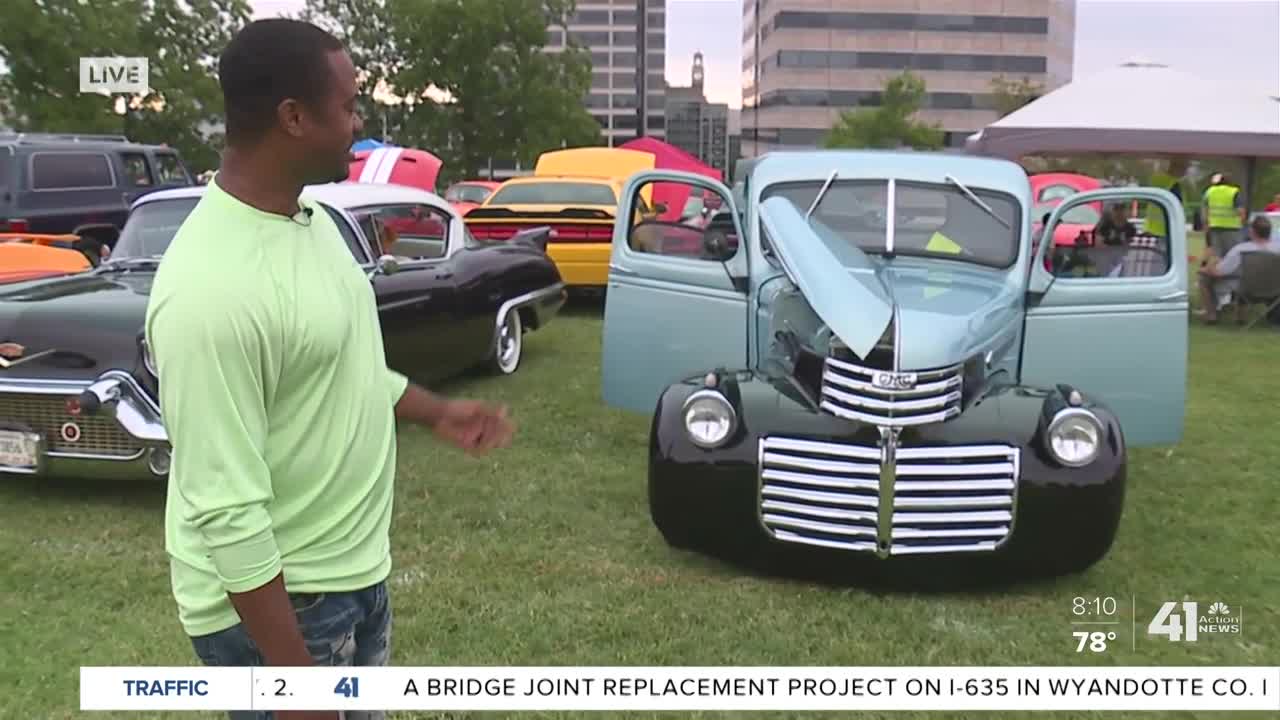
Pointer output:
x,y
868,361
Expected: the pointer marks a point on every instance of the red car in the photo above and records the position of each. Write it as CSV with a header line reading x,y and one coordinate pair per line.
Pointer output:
x,y
1050,188
398,166
469,193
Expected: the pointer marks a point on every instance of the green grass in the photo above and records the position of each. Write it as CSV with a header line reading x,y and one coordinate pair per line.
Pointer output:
x,y
544,555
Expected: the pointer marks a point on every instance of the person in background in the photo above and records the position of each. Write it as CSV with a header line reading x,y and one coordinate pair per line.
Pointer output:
x,y
274,385
1274,205
1115,229
1225,210
1172,181
1220,278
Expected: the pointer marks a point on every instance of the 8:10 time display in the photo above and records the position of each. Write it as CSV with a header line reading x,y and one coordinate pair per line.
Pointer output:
x,y
1094,606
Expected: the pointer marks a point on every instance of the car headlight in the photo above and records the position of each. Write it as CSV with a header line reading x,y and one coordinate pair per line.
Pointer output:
x,y
709,419
1075,437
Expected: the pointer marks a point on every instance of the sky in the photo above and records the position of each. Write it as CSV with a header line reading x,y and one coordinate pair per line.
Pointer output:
x,y
1235,37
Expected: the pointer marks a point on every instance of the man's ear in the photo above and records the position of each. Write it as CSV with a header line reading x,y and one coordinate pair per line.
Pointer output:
x,y
289,115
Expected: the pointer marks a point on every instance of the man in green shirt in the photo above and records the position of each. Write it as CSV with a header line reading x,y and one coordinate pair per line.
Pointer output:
x,y
273,383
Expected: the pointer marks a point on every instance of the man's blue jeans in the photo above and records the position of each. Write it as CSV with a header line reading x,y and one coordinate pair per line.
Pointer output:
x,y
350,628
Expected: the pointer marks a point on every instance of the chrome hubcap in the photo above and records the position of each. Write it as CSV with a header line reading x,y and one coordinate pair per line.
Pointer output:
x,y
507,342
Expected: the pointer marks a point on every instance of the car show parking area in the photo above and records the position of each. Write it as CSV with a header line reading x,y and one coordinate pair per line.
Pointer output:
x,y
545,554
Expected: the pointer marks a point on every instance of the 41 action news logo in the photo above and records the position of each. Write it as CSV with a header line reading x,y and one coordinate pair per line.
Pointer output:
x,y
1182,621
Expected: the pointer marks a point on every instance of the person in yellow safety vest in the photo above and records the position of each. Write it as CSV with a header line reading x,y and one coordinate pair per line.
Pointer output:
x,y
1225,212
1155,223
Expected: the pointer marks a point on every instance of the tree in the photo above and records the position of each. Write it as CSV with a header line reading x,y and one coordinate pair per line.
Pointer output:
x,y
890,125
1009,95
482,84
507,97
181,39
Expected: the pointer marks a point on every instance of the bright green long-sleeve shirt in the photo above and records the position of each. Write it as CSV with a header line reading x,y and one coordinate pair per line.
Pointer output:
x,y
279,405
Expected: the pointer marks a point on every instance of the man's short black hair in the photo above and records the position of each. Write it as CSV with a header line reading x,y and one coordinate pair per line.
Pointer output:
x,y
1261,227
267,62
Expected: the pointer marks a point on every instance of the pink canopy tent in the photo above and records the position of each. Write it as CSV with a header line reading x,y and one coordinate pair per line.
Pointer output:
x,y
670,157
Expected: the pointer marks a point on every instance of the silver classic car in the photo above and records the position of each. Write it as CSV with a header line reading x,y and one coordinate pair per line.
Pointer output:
x,y
869,359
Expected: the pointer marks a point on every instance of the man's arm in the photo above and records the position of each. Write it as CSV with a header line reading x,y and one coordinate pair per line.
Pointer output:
x,y
471,425
212,367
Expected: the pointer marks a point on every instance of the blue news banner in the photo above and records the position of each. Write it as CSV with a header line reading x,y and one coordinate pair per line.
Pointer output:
x,y
680,688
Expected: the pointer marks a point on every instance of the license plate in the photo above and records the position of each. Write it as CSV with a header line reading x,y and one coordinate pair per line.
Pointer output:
x,y
19,450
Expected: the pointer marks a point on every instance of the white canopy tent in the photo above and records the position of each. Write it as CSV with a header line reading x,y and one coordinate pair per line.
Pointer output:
x,y
1141,108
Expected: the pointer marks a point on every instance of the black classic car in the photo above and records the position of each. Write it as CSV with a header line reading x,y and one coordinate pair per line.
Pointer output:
x,y
78,393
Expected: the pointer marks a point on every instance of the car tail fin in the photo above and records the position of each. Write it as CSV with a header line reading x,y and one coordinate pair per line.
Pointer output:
x,y
537,237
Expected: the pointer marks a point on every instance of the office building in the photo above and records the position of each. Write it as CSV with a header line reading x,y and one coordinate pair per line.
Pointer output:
x,y
626,45
804,61
696,126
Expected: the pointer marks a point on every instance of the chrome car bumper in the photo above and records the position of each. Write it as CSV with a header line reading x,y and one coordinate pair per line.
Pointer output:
x,y
107,428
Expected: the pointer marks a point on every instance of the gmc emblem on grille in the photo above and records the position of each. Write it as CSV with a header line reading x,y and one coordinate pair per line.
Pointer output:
x,y
894,380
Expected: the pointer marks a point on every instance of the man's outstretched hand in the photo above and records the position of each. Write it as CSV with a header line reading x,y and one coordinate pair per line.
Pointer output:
x,y
474,426
471,425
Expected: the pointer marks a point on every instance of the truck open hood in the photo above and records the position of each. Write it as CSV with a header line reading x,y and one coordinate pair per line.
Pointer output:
x,y
945,311
858,312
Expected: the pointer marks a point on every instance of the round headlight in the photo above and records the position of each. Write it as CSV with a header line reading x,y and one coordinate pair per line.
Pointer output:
x,y
708,418
1075,437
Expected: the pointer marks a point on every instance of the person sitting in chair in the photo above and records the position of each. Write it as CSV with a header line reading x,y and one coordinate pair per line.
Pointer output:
x,y
1220,278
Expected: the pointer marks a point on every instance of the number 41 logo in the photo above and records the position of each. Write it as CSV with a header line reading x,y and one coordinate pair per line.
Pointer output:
x,y
348,687
1166,622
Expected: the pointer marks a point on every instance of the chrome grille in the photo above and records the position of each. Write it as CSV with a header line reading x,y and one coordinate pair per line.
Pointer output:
x,y
46,414
932,499
850,391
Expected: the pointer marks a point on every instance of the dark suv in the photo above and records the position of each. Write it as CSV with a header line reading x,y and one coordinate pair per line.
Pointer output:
x,y
81,184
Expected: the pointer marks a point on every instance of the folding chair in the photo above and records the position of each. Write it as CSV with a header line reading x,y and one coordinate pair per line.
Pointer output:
x,y
1259,283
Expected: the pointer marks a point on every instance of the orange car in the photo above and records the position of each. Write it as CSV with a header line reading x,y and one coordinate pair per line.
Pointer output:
x,y
26,256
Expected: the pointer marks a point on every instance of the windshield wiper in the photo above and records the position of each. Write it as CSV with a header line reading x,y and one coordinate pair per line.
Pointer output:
x,y
978,201
821,194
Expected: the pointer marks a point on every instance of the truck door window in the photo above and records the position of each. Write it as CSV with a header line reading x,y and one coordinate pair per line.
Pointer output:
x,y
136,171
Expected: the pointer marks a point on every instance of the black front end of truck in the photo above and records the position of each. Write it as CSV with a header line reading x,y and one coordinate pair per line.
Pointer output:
x,y
809,478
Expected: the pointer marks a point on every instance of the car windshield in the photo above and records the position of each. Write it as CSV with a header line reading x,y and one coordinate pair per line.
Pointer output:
x,y
467,193
554,193
151,227
932,220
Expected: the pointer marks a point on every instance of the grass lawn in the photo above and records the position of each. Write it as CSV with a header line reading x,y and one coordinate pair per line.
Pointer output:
x,y
545,555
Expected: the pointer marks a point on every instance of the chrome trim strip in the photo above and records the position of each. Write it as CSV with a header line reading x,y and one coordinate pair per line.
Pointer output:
x,y
822,497
816,511
958,451
852,531
97,456
888,467
519,301
881,420
876,404
920,389
915,533
945,485
772,458
986,546
805,540
976,501
815,446
822,480
929,374
928,517
950,470
890,206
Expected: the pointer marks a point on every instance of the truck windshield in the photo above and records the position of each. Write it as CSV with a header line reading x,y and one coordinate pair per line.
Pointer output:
x,y
151,227
929,219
